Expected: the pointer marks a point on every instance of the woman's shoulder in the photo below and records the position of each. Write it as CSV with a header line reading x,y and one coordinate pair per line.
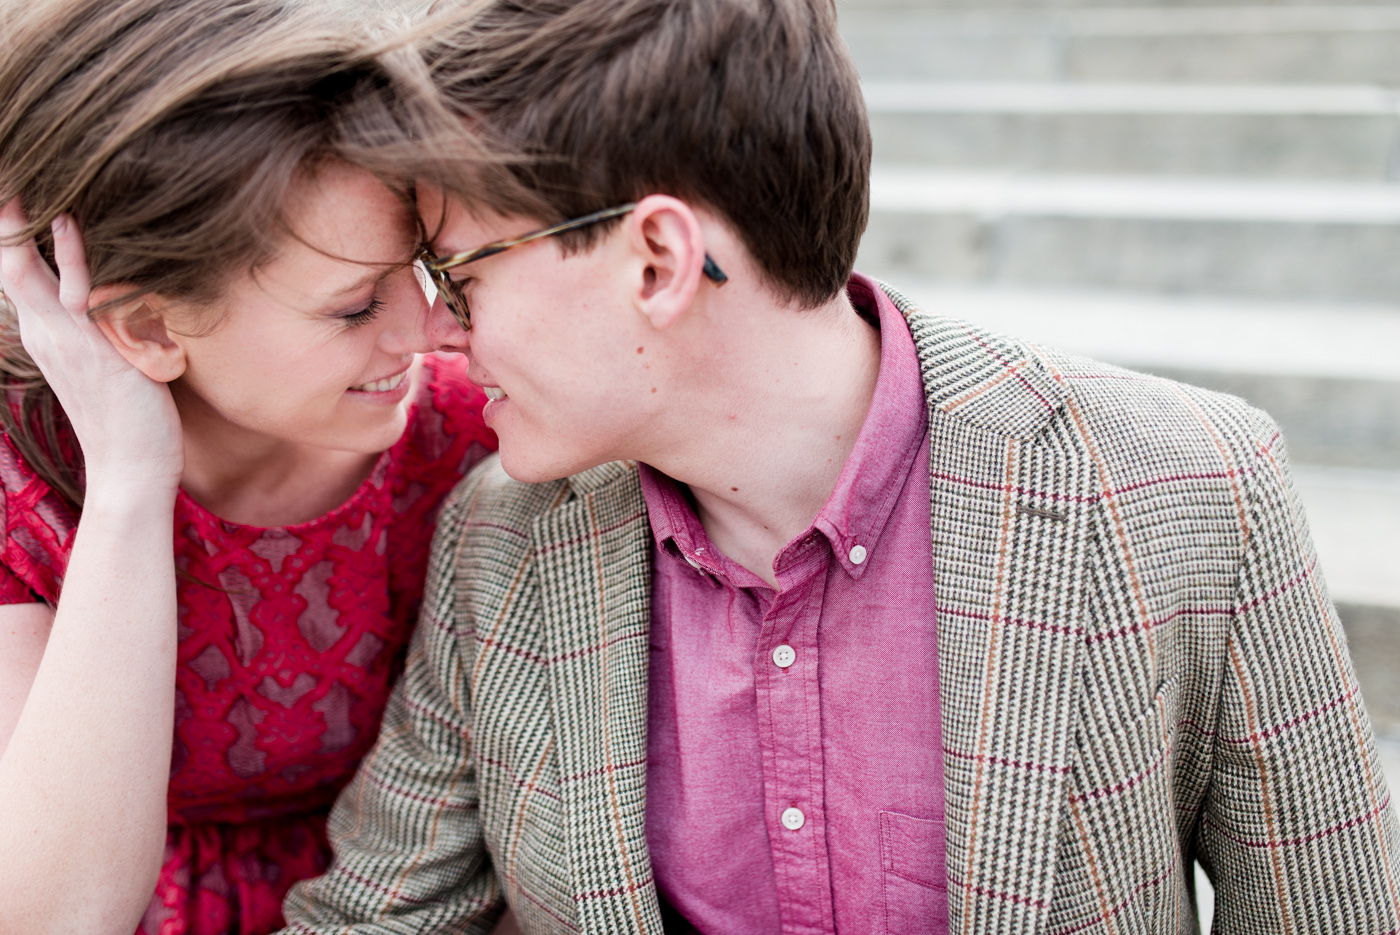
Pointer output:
x,y
446,433
446,437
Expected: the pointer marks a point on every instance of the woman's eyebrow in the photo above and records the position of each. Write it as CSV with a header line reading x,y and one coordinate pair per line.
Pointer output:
x,y
373,276
375,273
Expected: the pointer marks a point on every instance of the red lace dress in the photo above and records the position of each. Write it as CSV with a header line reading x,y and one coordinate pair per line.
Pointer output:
x,y
290,639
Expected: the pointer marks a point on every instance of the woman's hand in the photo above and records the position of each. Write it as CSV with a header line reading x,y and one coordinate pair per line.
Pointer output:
x,y
126,423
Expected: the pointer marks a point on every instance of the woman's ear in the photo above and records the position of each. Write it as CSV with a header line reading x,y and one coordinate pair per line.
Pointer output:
x,y
136,328
667,239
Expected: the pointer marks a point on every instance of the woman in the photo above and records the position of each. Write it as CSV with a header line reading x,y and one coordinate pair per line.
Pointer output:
x,y
235,356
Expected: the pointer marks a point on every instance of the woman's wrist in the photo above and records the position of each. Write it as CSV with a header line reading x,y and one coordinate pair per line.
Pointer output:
x,y
123,495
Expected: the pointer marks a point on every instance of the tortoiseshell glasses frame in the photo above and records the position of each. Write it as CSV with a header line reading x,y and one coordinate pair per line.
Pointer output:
x,y
451,290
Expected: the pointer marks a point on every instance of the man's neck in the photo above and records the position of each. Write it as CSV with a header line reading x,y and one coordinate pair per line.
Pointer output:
x,y
776,412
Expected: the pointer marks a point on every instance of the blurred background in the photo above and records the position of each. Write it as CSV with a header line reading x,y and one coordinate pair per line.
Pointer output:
x,y
1201,190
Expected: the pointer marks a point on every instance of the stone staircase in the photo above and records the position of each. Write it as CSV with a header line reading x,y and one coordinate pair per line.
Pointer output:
x,y
1203,191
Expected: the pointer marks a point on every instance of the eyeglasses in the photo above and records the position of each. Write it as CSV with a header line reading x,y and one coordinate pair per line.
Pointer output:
x,y
451,289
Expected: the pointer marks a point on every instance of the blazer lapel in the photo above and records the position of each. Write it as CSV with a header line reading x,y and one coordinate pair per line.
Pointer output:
x,y
1011,501
593,557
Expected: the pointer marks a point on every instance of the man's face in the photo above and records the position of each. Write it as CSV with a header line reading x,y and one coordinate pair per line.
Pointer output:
x,y
558,340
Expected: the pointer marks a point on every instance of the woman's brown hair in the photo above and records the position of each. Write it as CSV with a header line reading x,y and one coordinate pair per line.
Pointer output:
x,y
171,131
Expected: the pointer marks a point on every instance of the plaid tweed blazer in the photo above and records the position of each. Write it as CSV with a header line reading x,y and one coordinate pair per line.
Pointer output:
x,y
1140,668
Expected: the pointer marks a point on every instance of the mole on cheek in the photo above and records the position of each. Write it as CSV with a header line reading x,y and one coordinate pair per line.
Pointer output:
x,y
640,349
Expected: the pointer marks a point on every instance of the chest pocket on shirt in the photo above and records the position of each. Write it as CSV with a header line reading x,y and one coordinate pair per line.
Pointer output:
x,y
916,880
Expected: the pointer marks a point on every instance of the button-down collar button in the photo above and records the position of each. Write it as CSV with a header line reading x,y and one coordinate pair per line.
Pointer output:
x,y
691,562
858,554
793,819
784,656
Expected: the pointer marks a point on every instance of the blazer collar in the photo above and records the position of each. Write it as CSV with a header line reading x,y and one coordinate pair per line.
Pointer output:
x,y
1012,499
979,377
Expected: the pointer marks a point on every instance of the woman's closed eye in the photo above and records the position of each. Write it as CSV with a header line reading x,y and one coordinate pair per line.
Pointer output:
x,y
365,315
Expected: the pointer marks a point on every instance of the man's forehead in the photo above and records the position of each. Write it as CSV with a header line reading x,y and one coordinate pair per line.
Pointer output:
x,y
453,225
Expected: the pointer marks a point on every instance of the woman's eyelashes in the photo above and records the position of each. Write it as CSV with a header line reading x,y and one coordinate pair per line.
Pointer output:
x,y
365,315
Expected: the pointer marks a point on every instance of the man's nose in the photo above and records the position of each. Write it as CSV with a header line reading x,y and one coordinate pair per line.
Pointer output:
x,y
443,329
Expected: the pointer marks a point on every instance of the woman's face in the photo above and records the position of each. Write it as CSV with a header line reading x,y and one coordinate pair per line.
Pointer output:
x,y
318,346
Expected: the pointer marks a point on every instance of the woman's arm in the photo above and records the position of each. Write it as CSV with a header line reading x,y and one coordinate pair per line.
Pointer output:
x,y
83,777
24,629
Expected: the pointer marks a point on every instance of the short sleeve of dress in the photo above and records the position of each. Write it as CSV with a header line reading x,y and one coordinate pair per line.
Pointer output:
x,y
39,528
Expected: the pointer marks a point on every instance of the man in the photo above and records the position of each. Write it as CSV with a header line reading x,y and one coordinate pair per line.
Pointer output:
x,y
793,607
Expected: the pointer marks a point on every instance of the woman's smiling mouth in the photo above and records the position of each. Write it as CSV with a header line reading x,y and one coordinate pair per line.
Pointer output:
x,y
385,385
386,391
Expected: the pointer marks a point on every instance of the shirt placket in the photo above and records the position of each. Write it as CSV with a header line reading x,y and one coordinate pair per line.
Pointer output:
x,y
789,721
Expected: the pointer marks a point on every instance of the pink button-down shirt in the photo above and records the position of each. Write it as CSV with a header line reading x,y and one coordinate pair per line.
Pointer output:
x,y
794,772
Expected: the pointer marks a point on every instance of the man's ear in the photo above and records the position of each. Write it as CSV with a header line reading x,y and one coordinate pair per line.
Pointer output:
x,y
136,328
667,240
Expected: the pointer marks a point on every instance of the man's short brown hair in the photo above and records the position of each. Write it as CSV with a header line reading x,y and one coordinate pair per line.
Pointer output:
x,y
751,108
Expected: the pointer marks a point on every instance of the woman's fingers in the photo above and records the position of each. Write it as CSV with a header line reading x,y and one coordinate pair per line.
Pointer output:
x,y
25,277
30,284
127,423
16,259
69,253
11,221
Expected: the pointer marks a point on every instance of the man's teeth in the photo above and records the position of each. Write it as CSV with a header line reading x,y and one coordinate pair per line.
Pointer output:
x,y
494,392
382,386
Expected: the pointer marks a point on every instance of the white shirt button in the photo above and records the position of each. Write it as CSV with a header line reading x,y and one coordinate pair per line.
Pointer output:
x,y
691,562
794,819
858,554
784,656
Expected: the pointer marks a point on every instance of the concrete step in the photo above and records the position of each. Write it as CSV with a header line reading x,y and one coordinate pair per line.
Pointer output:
x,y
1069,41
1373,635
1329,373
1354,515
1338,132
1335,241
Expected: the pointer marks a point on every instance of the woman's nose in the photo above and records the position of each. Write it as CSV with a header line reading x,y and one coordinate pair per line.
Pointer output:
x,y
406,330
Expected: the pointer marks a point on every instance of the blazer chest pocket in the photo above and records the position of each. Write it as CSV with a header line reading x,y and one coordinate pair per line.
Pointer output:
x,y
912,861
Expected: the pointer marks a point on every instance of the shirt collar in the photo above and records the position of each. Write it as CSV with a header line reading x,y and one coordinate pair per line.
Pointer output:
x,y
870,482
888,444
679,532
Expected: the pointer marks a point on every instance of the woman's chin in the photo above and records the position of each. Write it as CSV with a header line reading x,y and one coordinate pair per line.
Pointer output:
x,y
364,435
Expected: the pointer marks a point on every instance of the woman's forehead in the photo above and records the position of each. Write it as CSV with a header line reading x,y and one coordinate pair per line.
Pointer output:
x,y
346,231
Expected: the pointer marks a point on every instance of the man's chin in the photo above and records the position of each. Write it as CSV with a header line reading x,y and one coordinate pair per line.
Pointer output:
x,y
527,468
